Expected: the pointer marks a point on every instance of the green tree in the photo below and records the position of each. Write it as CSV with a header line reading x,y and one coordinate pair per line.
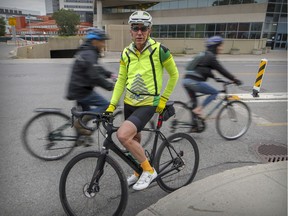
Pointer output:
x,y
2,26
67,21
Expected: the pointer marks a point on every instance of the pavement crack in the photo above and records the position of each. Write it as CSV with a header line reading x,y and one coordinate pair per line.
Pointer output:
x,y
204,210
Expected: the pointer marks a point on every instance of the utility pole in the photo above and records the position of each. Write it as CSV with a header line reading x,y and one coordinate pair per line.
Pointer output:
x,y
99,13
30,32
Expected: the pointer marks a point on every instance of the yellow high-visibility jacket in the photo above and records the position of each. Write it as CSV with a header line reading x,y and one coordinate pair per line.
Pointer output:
x,y
141,74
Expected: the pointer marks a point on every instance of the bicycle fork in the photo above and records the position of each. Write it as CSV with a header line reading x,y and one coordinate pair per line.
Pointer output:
x,y
93,187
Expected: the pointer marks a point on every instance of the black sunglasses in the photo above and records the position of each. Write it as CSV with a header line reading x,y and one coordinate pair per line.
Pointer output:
x,y
137,28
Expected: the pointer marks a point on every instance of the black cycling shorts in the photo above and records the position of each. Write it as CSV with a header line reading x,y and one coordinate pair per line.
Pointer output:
x,y
139,116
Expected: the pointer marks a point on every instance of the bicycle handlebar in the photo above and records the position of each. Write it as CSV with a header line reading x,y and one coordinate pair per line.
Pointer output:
x,y
105,118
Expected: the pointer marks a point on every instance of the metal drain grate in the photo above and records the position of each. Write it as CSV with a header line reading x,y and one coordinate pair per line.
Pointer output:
x,y
272,153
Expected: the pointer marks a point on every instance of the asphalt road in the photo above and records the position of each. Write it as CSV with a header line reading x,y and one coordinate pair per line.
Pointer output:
x,y
30,186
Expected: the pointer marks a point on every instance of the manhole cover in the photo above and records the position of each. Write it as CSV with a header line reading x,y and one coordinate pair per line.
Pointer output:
x,y
272,152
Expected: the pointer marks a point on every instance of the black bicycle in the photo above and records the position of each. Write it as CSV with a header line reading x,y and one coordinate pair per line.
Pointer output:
x,y
93,182
49,134
232,121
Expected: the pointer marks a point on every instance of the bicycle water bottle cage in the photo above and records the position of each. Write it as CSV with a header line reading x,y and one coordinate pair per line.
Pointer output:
x,y
168,111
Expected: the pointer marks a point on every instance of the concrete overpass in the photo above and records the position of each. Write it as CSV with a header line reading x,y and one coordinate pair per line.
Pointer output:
x,y
128,4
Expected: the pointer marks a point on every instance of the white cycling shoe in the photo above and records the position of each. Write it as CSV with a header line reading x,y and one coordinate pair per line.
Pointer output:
x,y
145,179
131,180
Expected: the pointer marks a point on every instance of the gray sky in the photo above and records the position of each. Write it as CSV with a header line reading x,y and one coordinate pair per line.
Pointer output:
x,y
34,5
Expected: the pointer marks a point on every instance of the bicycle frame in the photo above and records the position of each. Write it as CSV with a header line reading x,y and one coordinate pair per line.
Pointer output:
x,y
225,99
110,145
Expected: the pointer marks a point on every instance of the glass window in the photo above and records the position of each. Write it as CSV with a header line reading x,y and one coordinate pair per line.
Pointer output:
x,y
200,27
213,2
190,27
164,5
235,1
163,35
243,35
243,26
249,1
190,30
173,5
284,8
223,2
163,28
273,7
190,34
172,28
181,27
231,34
210,27
202,3
192,4
256,26
221,27
180,34
254,35
232,26
209,34
155,28
183,4
172,34
199,34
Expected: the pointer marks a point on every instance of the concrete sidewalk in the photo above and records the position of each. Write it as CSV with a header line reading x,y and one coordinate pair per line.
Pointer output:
x,y
259,190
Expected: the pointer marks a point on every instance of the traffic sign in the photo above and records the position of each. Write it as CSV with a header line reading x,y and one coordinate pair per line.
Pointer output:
x,y
12,21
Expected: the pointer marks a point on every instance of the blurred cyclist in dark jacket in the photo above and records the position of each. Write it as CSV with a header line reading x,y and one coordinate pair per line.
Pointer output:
x,y
200,69
86,74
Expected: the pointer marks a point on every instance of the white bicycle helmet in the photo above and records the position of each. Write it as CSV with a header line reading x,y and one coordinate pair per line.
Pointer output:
x,y
141,17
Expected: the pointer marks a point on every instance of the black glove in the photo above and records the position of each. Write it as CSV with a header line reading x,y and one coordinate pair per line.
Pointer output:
x,y
238,82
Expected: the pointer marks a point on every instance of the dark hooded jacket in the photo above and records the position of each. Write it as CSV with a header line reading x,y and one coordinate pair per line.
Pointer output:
x,y
87,73
200,68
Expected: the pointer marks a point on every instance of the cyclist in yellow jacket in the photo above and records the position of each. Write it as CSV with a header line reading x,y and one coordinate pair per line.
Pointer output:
x,y
141,75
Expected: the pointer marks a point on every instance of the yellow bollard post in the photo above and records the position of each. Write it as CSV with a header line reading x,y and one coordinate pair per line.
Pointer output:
x,y
259,78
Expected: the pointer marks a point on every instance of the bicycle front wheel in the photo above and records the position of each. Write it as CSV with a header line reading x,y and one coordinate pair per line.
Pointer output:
x,y
233,120
49,136
181,121
177,160
109,197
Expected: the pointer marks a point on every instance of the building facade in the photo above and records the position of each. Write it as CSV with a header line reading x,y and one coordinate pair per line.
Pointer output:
x,y
232,19
82,7
51,6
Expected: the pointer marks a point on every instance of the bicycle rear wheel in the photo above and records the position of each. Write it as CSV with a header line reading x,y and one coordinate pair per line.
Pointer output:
x,y
181,121
146,136
49,136
233,120
178,159
111,197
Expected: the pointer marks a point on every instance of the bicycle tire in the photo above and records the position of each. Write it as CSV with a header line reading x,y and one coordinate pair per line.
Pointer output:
x,y
145,135
166,158
38,140
181,122
112,197
228,123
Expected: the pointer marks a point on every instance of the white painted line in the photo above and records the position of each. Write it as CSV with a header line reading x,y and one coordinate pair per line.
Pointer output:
x,y
262,96
265,101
